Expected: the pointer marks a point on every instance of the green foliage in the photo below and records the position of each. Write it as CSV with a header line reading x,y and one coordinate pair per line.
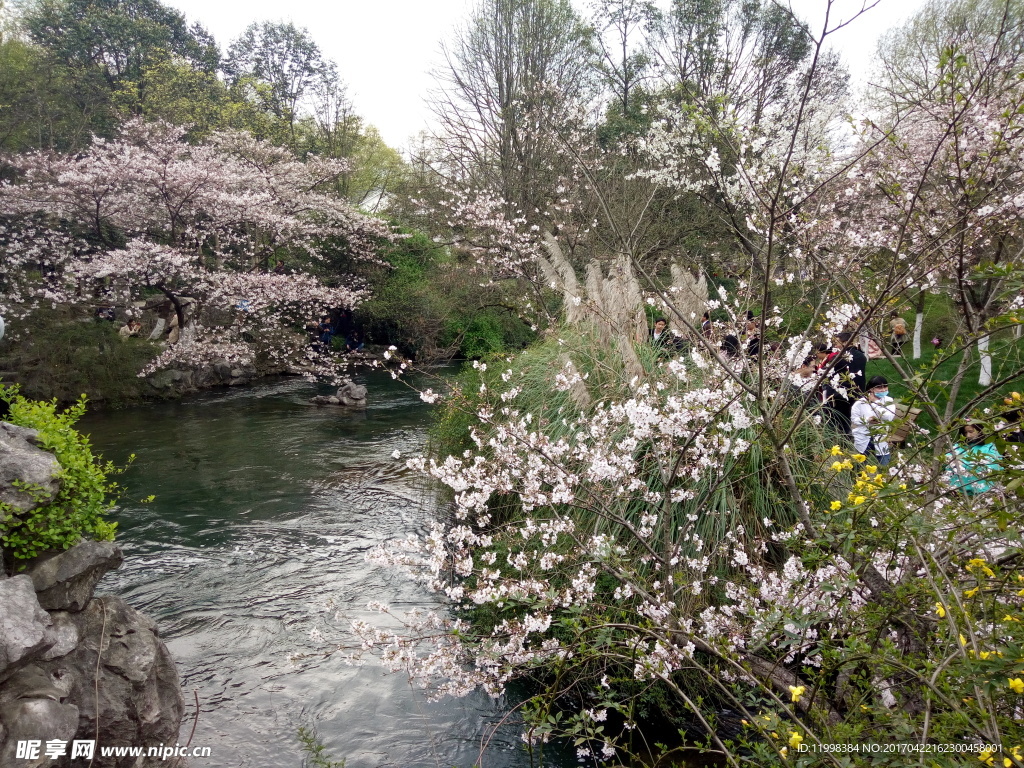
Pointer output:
x,y
119,37
480,337
316,752
44,104
65,355
430,306
285,58
86,493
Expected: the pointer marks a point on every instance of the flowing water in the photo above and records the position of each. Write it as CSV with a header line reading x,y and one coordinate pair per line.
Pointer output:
x,y
253,552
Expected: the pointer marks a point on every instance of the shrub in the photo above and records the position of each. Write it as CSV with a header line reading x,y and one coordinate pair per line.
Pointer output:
x,y
86,493
432,307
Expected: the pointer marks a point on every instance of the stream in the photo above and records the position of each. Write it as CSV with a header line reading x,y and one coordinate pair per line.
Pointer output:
x,y
253,552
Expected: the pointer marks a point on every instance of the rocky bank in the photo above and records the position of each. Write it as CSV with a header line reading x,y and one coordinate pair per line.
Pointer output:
x,y
74,666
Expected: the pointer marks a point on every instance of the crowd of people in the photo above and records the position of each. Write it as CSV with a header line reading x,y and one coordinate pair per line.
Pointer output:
x,y
322,332
858,410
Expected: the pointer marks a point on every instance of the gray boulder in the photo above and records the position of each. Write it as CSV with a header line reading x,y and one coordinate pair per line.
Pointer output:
x,y
35,719
21,459
30,682
65,635
25,628
140,699
352,394
65,581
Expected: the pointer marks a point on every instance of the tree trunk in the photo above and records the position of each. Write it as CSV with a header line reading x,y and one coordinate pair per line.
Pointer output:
x,y
918,325
985,357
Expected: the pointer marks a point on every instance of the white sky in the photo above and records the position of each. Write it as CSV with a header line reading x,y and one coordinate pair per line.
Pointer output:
x,y
385,49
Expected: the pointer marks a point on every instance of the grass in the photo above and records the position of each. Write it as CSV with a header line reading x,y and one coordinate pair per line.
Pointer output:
x,y
937,368
65,354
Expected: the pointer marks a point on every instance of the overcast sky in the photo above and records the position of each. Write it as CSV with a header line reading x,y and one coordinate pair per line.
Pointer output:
x,y
385,49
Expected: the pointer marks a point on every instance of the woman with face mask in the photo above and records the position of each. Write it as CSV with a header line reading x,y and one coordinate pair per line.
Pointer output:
x,y
868,417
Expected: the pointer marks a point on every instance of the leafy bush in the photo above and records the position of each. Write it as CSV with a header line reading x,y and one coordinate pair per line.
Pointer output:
x,y
432,307
315,751
86,493
667,552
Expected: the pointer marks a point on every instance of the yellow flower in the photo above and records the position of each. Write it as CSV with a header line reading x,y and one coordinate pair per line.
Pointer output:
x,y
963,640
1021,593
970,592
847,464
836,450
837,505
984,656
871,468
940,610
859,457
837,466
795,739
1017,685
986,756
1008,617
978,564
796,691
859,500
784,752
1007,762
903,486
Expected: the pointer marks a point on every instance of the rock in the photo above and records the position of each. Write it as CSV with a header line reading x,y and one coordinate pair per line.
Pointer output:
x,y
161,380
41,720
140,699
333,401
65,634
237,373
22,460
25,628
30,683
352,394
66,581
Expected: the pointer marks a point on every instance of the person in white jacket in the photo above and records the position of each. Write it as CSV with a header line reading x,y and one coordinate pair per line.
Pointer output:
x,y
868,418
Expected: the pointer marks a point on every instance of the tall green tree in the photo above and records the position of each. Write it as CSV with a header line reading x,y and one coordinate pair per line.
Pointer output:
x,y
283,66
121,39
738,53
625,58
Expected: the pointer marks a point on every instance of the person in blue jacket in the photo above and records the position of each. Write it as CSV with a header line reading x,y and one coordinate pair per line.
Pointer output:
x,y
972,462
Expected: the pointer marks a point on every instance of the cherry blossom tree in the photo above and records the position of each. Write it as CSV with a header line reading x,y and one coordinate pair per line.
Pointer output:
x,y
149,212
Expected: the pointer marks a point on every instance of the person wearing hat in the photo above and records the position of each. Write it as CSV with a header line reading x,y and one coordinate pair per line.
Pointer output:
x,y
868,418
